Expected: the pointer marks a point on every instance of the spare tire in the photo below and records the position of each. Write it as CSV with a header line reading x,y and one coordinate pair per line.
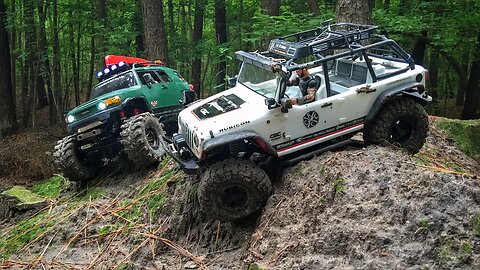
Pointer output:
x,y
233,189
71,163
141,139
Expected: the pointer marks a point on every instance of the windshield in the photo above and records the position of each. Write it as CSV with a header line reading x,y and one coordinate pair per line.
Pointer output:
x,y
262,81
119,82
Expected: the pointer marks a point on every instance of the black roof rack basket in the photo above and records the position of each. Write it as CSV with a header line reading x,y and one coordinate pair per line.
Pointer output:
x,y
321,39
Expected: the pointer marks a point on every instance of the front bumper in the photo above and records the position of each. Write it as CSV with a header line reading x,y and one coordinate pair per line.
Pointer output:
x,y
181,154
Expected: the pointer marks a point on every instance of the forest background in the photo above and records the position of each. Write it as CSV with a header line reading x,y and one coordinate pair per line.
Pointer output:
x,y
50,50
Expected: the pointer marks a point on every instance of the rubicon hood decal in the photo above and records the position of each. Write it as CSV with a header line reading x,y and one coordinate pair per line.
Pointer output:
x,y
218,106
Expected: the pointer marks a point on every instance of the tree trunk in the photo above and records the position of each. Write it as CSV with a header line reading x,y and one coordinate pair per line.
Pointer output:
x,y
314,7
354,11
91,68
472,94
433,72
43,82
138,27
460,86
221,31
56,83
13,38
154,27
30,48
8,119
418,52
197,37
404,6
76,64
271,7
100,40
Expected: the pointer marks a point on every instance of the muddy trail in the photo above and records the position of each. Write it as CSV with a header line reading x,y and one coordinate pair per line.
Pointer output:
x,y
358,208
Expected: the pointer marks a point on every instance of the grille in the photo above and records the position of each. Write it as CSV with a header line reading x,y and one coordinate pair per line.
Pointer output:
x,y
187,135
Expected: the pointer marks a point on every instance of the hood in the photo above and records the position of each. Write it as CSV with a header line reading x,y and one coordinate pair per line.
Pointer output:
x,y
90,107
223,112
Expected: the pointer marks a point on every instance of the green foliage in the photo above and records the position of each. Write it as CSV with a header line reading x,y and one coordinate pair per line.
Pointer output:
x,y
255,266
51,188
339,186
464,133
106,229
24,195
151,197
93,193
24,232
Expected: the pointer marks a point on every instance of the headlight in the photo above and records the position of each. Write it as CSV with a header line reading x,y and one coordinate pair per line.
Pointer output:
x,y
70,118
113,100
102,105
196,141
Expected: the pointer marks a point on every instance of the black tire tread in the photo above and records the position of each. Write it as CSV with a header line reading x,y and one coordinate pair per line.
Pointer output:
x,y
135,143
376,131
233,170
67,160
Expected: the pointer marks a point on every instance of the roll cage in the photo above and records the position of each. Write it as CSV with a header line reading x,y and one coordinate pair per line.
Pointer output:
x,y
344,39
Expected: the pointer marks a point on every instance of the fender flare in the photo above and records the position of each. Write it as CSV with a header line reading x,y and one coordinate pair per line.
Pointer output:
x,y
225,139
408,90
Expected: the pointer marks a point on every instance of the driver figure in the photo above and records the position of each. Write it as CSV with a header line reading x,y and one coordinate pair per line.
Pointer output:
x,y
307,85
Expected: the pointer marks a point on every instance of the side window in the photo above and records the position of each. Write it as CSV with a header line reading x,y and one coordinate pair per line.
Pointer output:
x,y
154,75
164,76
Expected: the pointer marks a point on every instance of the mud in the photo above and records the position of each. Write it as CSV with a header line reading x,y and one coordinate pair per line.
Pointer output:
x,y
359,208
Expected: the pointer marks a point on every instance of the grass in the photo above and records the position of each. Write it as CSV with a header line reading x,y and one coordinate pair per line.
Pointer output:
x,y
50,188
23,233
151,197
339,186
465,133
424,223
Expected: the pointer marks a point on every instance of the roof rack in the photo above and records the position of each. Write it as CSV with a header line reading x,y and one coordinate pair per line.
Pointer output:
x,y
321,39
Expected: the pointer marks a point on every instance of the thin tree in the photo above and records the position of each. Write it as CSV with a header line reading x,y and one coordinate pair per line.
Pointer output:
x,y
472,95
197,37
154,28
314,7
8,117
221,32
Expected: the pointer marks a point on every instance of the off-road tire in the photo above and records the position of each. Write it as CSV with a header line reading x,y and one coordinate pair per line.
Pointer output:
x,y
67,160
141,139
402,122
247,181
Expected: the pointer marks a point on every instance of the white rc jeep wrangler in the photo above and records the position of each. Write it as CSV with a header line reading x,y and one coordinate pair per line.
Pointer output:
x,y
365,82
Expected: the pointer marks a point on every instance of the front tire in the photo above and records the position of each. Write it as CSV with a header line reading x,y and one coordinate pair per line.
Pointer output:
x,y
401,122
141,139
69,161
233,189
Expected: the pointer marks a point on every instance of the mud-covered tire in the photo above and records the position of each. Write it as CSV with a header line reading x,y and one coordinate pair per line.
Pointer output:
x,y
141,139
233,189
401,122
67,160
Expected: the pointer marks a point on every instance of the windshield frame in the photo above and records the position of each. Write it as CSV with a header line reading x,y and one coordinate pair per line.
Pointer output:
x,y
266,94
109,80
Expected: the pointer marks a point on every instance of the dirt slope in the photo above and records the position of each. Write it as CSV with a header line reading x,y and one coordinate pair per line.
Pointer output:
x,y
359,208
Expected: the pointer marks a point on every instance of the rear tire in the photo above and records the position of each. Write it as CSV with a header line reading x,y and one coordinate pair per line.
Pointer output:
x,y
233,189
141,139
401,122
68,160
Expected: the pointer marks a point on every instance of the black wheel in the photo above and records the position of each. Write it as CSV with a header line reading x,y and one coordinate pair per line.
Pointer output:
x,y
233,189
70,162
141,139
401,122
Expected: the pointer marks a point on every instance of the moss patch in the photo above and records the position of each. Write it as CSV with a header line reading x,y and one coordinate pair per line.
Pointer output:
x,y
24,195
50,188
465,133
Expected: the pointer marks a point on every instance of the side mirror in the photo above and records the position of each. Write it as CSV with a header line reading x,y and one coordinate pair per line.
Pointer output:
x,y
147,77
232,81
271,103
